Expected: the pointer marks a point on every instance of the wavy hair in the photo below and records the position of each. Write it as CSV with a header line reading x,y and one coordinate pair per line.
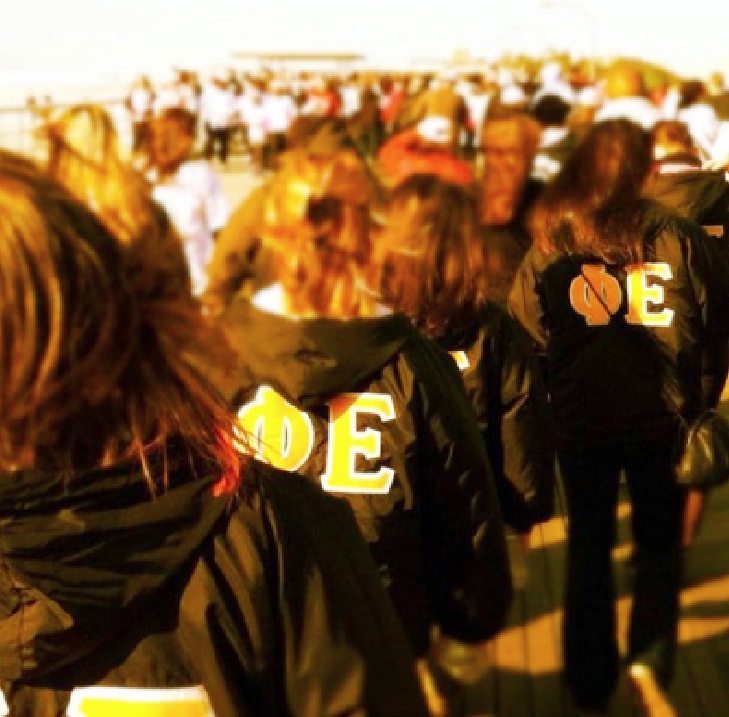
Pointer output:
x,y
595,205
432,257
315,218
100,341
84,155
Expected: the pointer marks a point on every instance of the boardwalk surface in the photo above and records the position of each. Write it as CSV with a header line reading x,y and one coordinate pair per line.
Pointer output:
x,y
525,680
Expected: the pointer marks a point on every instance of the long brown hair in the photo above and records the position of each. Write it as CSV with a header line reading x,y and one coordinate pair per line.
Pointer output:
x,y
316,220
99,343
594,205
432,257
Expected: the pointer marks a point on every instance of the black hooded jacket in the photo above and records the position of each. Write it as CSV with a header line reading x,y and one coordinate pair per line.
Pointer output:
x,y
503,380
702,196
626,345
697,194
269,600
371,411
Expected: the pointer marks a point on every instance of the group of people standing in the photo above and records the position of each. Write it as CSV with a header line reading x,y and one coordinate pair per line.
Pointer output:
x,y
285,490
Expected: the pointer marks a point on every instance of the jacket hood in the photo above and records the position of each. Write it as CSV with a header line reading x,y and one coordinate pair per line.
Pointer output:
x,y
79,553
697,194
306,359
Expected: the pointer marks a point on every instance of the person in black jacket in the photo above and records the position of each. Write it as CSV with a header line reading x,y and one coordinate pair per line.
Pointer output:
x,y
624,298
434,272
146,565
679,181
337,388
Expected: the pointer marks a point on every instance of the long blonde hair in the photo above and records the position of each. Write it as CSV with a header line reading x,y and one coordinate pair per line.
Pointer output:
x,y
316,220
85,156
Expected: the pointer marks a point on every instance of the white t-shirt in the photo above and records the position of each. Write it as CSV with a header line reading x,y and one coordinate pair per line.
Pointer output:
x,y
194,200
253,115
218,106
140,104
280,112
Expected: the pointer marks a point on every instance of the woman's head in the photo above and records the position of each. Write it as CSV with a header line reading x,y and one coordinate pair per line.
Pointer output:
x,y
315,220
98,344
84,155
594,203
431,255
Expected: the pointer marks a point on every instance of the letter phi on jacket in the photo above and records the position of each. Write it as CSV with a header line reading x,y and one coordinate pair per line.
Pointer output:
x,y
284,436
597,295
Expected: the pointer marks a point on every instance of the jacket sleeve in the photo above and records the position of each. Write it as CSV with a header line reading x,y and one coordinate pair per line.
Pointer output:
x,y
523,427
525,300
286,615
467,571
708,270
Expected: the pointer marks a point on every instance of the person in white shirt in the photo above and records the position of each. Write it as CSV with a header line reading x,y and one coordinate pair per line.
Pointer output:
x,y
218,113
168,94
139,102
253,118
188,190
281,111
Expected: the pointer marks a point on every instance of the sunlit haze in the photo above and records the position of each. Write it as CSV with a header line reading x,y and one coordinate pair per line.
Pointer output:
x,y
46,42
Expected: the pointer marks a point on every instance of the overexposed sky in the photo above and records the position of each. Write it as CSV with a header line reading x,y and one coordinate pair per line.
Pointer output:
x,y
120,37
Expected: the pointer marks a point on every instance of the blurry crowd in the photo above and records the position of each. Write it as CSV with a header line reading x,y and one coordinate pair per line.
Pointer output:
x,y
260,109
266,459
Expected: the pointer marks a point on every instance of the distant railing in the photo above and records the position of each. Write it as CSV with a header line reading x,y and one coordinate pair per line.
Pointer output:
x,y
18,125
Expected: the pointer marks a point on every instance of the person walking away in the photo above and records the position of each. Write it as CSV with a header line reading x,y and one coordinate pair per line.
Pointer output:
x,y
217,114
148,567
609,292
342,391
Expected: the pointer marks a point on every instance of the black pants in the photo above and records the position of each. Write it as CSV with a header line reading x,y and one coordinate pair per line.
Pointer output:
x,y
591,478
217,141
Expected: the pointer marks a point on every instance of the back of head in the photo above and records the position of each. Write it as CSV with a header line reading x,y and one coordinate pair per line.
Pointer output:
x,y
691,92
671,137
624,81
84,156
551,110
594,203
431,254
715,84
98,339
315,220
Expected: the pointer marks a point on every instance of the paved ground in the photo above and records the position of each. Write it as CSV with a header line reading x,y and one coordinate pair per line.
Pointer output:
x,y
526,682
237,178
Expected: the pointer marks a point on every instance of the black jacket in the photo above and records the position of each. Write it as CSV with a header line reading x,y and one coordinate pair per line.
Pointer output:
x,y
373,412
702,196
694,193
503,380
270,601
624,367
